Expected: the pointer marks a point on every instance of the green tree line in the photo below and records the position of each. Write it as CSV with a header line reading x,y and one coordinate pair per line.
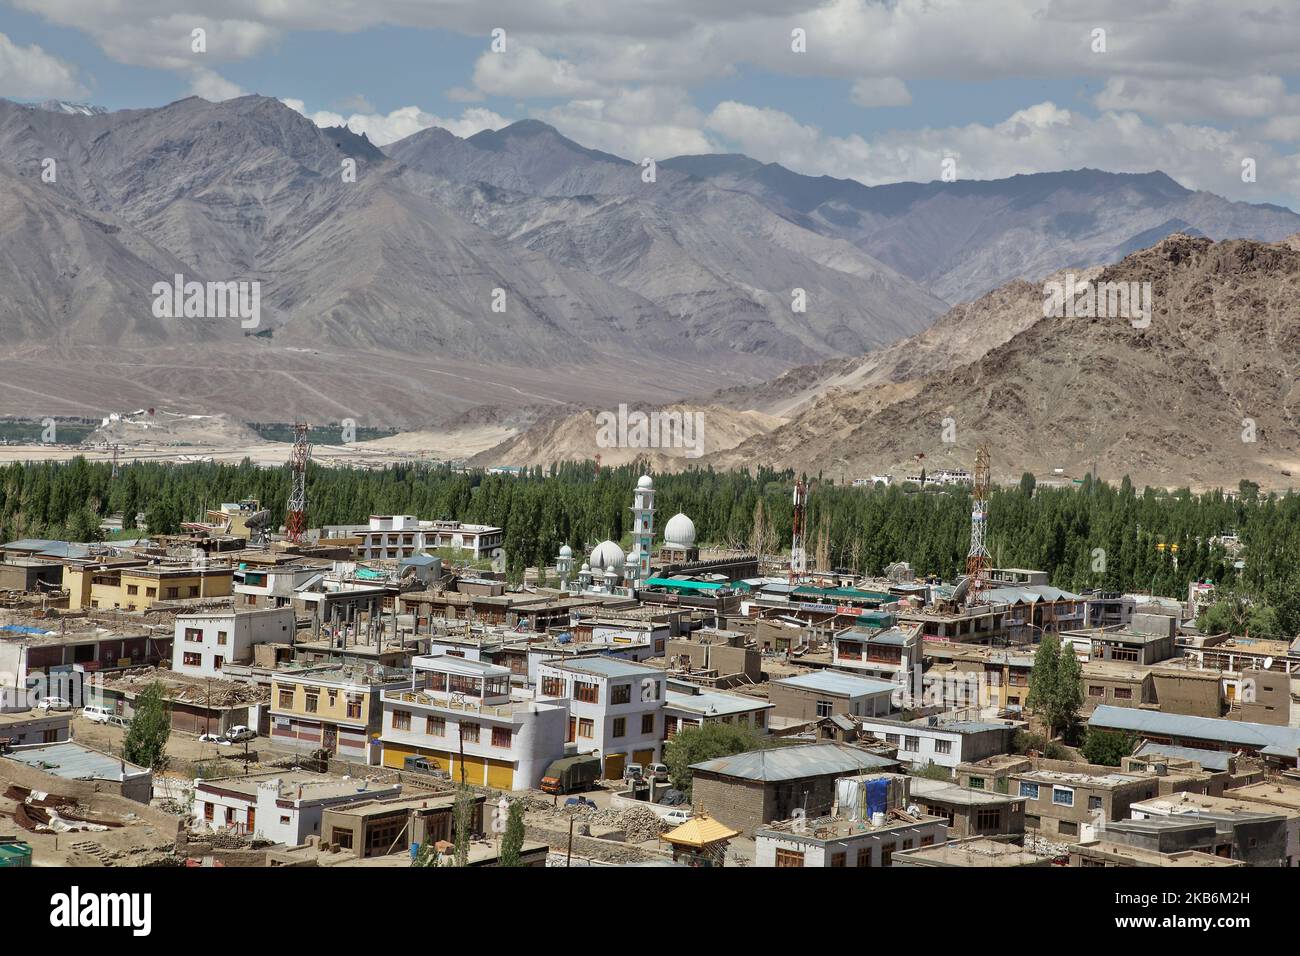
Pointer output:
x,y
1094,535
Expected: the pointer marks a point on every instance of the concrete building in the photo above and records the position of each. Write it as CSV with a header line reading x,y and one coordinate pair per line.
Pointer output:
x,y
34,726
390,826
465,723
615,708
978,852
70,760
138,586
862,831
689,706
885,653
825,693
749,789
336,708
280,806
1257,834
400,536
970,813
206,640
945,741
1148,640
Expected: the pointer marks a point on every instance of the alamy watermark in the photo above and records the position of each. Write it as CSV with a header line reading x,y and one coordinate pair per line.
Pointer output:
x,y
659,429
209,300
1107,300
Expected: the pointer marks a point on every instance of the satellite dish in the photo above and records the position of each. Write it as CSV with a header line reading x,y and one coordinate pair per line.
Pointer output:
x,y
1268,663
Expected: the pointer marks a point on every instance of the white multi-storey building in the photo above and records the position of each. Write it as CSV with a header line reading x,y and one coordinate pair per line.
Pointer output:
x,y
401,536
207,640
464,722
615,708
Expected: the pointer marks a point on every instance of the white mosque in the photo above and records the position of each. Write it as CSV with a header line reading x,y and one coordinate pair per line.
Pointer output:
x,y
608,567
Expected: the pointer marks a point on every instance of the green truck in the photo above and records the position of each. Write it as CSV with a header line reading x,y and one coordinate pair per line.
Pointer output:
x,y
571,774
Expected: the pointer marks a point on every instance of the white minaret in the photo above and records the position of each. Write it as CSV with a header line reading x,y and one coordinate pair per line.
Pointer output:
x,y
564,566
643,526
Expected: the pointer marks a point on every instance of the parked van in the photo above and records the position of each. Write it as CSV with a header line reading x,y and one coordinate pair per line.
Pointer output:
x,y
569,774
96,714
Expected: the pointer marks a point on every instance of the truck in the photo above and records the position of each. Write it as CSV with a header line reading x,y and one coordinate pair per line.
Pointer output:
x,y
571,774
424,765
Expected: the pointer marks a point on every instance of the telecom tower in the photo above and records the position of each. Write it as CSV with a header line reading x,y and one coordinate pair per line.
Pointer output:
x,y
977,559
295,523
798,556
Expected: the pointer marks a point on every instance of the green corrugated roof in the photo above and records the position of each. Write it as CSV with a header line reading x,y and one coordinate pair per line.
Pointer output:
x,y
682,585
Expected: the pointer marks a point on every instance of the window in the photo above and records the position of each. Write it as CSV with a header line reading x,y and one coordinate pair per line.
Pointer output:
x,y
620,727
988,821
824,708
312,699
333,696
150,592
573,730
585,727
1095,690
1094,803
838,859
1063,796
647,724
207,811
469,732
284,820
217,662
193,635
435,726
133,589
912,744
354,708
976,783
864,856
943,746
927,840
1029,790
401,720
886,854
1067,828
286,697
789,858
192,659
587,693
760,718
194,590
221,637
620,694
552,686
341,838
670,728
907,844
892,739
1123,693
173,592
501,736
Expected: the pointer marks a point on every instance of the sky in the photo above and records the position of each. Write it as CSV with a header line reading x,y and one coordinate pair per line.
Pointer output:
x,y
1207,91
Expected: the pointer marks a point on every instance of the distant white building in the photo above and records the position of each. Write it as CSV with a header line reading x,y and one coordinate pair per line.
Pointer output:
x,y
205,641
401,536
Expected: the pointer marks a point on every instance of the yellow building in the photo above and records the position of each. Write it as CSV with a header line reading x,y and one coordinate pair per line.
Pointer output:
x,y
331,707
137,587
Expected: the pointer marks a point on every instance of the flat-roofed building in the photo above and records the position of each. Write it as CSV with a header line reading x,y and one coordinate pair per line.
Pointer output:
x,y
465,722
826,693
978,851
690,706
283,806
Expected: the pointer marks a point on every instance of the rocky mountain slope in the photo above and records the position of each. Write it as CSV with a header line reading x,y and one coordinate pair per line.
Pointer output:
x,y
1207,394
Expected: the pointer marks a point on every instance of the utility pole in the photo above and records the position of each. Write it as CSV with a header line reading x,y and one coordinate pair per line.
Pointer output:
x,y
568,856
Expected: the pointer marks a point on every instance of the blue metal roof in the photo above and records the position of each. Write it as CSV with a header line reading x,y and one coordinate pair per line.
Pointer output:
x,y
1267,738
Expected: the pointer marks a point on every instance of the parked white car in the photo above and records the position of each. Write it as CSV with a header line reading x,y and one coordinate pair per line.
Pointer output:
x,y
239,733
96,714
55,703
212,739
677,816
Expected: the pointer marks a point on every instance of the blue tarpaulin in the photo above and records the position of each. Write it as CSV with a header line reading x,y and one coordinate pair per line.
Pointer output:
x,y
877,796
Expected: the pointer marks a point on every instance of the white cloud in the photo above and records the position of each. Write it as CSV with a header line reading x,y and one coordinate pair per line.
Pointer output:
x,y
213,87
524,71
382,129
655,122
28,72
880,91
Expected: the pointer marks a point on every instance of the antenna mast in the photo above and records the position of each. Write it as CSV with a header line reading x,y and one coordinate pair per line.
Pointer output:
x,y
977,559
295,524
798,554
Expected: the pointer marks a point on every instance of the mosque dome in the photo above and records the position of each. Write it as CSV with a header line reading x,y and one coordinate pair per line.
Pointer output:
x,y
679,532
607,555
566,551
645,482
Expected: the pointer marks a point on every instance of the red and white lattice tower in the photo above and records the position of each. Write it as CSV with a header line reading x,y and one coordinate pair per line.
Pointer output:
x,y
977,559
295,524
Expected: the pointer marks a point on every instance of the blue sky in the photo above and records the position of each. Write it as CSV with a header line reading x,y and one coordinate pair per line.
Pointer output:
x,y
881,92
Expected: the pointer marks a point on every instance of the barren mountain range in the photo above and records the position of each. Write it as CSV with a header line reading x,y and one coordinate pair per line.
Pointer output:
x,y
1204,396
378,294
